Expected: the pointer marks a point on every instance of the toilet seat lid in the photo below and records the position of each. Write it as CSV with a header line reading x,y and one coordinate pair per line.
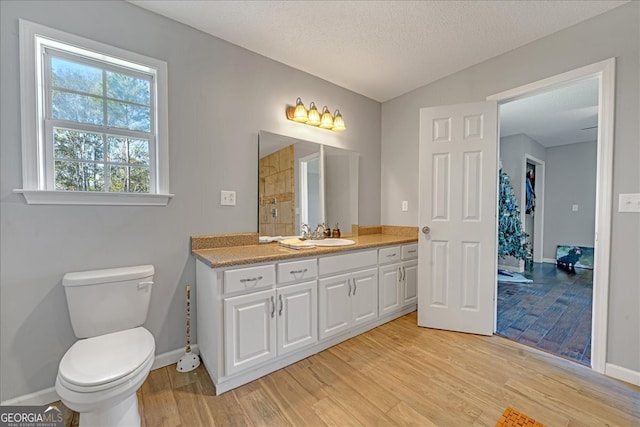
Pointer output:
x,y
106,358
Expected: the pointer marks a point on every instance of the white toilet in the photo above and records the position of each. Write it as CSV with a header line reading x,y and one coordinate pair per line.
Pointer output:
x,y
100,374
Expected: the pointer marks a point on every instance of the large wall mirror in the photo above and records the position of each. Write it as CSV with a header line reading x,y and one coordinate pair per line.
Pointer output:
x,y
304,182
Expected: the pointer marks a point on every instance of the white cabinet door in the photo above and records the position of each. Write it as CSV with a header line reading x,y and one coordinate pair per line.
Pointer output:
x,y
364,296
389,288
297,316
249,332
334,304
410,282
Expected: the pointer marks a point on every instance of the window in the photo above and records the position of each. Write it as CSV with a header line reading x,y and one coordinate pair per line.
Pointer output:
x,y
94,122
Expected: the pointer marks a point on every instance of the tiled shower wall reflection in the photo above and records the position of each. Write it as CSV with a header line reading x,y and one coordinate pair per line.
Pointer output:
x,y
276,194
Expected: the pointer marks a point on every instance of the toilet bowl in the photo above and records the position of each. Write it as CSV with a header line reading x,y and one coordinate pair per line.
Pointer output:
x,y
98,377
101,373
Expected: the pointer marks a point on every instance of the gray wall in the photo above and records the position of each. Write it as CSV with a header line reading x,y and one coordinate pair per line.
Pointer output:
x,y
512,151
220,96
570,179
613,34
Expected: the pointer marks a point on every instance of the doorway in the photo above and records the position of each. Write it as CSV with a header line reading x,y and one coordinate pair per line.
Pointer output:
x,y
458,159
311,190
604,74
542,305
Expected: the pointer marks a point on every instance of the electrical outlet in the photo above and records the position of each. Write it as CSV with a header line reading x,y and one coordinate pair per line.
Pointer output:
x,y
574,208
227,198
405,206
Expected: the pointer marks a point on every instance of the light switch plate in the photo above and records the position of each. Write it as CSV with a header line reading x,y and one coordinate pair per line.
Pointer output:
x,y
574,208
227,198
629,202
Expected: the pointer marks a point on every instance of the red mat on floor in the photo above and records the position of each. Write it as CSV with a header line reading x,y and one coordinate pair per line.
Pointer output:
x,y
512,418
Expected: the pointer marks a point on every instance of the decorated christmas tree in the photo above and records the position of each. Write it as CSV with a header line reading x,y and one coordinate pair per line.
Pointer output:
x,y
511,238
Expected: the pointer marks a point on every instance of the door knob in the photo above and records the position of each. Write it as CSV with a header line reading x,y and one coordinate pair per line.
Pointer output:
x,y
426,230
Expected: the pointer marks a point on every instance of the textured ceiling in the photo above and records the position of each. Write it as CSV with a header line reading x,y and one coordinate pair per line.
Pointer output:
x,y
380,49
565,115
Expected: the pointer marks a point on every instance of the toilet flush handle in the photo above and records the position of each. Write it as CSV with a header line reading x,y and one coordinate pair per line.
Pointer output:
x,y
144,284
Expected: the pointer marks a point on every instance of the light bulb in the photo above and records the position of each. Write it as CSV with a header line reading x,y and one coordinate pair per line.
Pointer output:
x,y
314,115
300,113
326,122
338,122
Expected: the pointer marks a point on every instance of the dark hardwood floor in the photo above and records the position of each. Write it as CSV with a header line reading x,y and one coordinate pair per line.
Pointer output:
x,y
553,313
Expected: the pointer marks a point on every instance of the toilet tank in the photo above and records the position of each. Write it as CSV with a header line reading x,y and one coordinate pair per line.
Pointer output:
x,y
111,300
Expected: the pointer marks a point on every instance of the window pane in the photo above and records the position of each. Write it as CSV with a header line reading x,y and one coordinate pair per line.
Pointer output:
x,y
128,150
75,76
128,88
132,179
77,176
75,145
77,108
127,116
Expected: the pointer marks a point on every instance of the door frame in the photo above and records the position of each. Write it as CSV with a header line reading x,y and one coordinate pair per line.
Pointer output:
x,y
605,72
538,217
303,180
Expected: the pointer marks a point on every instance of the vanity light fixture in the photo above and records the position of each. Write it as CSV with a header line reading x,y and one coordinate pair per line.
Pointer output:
x,y
326,122
338,122
298,113
312,117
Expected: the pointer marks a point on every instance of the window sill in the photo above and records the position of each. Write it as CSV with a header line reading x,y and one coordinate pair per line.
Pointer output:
x,y
40,197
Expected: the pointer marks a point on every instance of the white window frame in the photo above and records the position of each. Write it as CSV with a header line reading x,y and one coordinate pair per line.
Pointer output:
x,y
37,185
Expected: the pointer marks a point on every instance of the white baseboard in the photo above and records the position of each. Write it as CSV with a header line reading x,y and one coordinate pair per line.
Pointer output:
x,y
49,395
623,374
41,397
549,260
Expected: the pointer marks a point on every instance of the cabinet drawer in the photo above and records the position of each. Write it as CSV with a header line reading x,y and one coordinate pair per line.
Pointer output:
x,y
387,255
243,279
410,251
346,262
297,270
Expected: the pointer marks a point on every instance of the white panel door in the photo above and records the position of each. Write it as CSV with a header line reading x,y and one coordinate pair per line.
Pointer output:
x,y
364,296
249,332
458,189
297,316
389,288
334,304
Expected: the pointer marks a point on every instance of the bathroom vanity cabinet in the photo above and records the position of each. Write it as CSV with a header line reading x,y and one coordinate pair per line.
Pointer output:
x,y
398,274
253,319
349,293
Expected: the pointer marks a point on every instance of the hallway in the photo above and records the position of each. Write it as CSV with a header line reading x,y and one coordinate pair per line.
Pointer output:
x,y
552,314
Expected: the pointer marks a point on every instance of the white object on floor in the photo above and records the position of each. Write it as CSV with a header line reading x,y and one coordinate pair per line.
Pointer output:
x,y
189,361
508,276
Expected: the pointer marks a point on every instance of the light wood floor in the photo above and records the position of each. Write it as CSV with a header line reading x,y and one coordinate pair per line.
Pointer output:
x,y
399,374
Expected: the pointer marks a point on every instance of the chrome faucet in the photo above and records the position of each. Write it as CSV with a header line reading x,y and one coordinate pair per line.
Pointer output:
x,y
306,232
320,234
316,234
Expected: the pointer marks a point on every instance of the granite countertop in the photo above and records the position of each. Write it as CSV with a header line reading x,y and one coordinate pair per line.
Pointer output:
x,y
265,252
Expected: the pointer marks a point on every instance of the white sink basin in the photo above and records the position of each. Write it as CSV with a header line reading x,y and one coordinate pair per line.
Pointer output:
x,y
332,242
